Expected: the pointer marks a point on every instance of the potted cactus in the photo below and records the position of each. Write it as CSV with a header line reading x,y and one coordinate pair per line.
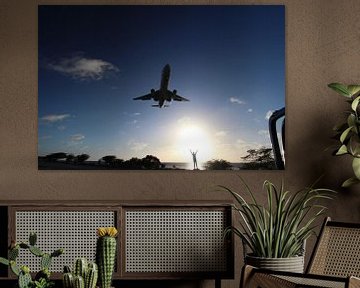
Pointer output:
x,y
85,275
42,278
106,254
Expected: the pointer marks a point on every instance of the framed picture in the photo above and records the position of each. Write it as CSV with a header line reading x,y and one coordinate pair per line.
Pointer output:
x,y
166,87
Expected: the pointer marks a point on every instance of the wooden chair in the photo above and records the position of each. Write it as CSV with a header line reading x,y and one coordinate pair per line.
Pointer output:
x,y
335,262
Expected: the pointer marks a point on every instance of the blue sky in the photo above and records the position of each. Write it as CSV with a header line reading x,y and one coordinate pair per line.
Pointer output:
x,y
229,61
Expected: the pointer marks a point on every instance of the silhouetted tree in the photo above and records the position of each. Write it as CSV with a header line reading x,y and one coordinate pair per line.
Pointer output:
x,y
151,162
148,162
70,158
56,156
259,159
133,164
81,158
109,159
217,164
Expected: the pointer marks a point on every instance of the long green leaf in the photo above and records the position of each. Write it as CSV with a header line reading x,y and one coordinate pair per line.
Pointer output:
x,y
248,190
353,90
355,103
351,120
340,88
4,261
356,167
349,182
344,135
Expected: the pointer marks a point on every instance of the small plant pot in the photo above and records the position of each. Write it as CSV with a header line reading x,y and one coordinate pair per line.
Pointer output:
x,y
291,264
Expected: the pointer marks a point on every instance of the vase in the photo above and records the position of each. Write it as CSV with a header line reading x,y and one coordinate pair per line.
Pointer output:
x,y
291,264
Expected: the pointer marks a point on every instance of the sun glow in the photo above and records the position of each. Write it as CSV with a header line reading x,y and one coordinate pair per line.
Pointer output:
x,y
194,137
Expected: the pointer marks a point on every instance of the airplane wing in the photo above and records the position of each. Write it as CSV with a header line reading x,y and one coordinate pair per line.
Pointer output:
x,y
144,97
179,98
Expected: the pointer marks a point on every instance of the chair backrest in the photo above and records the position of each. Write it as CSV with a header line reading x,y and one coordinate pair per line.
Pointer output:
x,y
278,156
337,251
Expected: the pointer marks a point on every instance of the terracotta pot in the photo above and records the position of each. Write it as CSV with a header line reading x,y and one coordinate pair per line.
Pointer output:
x,y
291,264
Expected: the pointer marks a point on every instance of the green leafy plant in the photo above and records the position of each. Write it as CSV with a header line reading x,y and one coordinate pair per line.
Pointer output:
x,y
42,278
279,229
43,283
348,132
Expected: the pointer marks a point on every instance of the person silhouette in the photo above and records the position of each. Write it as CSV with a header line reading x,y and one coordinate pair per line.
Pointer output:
x,y
194,159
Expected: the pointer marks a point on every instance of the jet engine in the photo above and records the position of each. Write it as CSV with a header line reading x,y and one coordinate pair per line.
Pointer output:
x,y
174,92
153,94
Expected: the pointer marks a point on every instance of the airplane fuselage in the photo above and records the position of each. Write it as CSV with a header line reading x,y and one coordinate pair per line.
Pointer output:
x,y
163,94
165,76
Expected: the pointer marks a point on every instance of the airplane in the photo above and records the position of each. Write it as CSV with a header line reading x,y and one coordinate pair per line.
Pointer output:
x,y
163,94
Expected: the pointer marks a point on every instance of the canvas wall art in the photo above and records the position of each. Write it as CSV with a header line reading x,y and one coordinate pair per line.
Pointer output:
x,y
183,87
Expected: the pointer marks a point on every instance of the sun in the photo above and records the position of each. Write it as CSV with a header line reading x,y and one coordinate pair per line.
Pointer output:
x,y
194,136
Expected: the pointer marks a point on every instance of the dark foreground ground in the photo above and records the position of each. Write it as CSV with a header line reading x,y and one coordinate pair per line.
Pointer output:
x,y
88,165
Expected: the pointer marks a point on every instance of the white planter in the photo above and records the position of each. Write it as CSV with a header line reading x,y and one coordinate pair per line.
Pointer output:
x,y
291,264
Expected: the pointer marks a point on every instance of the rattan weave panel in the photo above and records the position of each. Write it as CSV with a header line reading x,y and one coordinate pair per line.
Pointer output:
x,y
75,231
175,241
338,253
306,282
267,280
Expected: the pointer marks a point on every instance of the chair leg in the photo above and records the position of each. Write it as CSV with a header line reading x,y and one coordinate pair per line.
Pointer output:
x,y
217,283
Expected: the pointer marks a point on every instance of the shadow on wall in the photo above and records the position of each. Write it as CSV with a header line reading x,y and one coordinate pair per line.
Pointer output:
x,y
312,158
312,151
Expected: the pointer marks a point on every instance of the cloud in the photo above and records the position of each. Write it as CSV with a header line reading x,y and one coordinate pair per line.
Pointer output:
x,y
236,101
77,137
83,68
132,122
136,114
250,110
221,133
45,137
61,128
137,146
54,117
268,114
